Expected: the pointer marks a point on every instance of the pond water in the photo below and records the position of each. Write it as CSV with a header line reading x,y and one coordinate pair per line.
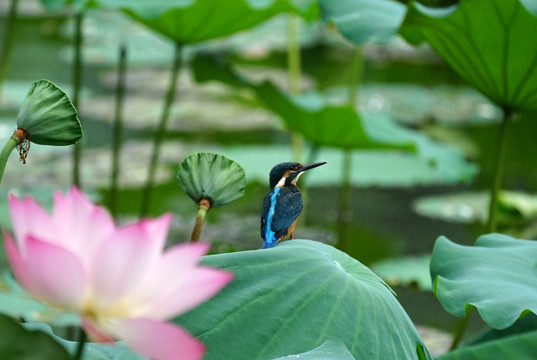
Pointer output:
x,y
416,88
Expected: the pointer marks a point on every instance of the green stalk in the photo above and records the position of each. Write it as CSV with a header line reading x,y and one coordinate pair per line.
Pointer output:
x,y
118,126
203,207
82,339
159,134
345,199
461,326
493,208
8,42
294,71
77,80
6,151
498,172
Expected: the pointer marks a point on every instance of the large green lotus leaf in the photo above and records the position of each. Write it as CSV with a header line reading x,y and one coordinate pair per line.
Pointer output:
x,y
364,20
211,176
328,125
497,276
492,44
292,298
188,22
341,126
48,116
409,271
520,347
18,343
332,349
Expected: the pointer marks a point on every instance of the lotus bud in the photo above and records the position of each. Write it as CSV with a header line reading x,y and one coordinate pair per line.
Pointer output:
x,y
48,117
211,180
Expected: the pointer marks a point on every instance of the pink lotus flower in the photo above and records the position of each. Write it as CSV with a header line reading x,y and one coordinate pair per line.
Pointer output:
x,y
119,279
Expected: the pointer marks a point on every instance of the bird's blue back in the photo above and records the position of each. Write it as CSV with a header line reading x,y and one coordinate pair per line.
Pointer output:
x,y
281,207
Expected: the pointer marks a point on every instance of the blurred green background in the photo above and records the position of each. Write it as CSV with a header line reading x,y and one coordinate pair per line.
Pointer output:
x,y
399,206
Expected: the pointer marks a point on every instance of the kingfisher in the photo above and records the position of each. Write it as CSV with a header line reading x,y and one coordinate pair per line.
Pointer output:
x,y
283,203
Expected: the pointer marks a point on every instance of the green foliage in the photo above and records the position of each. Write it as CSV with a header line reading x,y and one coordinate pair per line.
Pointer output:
x,y
497,276
48,116
519,347
211,176
409,271
471,207
328,125
17,343
492,44
188,22
92,351
364,20
294,297
342,126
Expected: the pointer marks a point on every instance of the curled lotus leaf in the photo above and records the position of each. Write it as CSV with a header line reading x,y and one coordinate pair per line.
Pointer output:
x,y
48,116
496,276
492,44
213,177
189,22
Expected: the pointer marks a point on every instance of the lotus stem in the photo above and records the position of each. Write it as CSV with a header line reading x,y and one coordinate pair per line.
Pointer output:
x,y
294,71
77,80
8,43
161,130
6,151
462,325
203,207
498,172
493,209
118,127
82,339
345,200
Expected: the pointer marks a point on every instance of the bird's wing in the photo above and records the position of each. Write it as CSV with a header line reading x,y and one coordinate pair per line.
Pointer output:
x,y
287,209
264,214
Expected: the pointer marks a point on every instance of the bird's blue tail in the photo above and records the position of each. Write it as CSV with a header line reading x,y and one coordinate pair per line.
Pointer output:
x,y
267,245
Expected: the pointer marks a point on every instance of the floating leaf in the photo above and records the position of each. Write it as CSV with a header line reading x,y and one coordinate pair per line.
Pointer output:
x,y
472,207
364,20
211,176
464,207
384,168
330,349
188,21
48,116
292,298
518,203
497,276
492,44
410,270
17,343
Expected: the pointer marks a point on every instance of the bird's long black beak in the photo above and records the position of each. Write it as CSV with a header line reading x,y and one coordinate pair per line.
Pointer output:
x,y
311,166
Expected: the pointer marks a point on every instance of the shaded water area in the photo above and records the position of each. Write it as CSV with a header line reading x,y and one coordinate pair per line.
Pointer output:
x,y
383,223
